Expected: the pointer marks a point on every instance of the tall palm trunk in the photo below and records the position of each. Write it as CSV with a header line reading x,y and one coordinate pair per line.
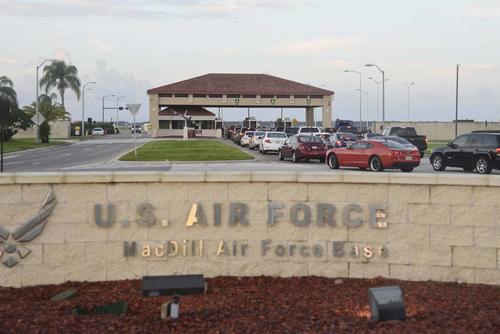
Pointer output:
x,y
61,92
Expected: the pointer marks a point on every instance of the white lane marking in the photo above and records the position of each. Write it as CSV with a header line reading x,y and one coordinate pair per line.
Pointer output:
x,y
35,163
10,156
66,155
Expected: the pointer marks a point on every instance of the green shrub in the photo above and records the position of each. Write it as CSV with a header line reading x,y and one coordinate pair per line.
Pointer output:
x,y
44,132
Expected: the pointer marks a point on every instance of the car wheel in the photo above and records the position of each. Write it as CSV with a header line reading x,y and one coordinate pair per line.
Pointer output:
x,y
376,164
333,162
294,157
280,155
483,165
407,169
251,147
437,162
264,151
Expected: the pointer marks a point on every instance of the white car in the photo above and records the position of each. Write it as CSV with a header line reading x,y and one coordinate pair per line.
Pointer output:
x,y
256,139
272,141
98,132
308,130
245,140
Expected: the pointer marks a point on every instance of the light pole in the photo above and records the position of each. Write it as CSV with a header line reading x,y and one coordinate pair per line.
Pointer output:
x,y
409,86
378,94
358,73
456,104
118,107
105,96
84,89
37,128
383,91
367,102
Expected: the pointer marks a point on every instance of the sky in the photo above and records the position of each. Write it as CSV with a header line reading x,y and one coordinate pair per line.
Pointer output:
x,y
129,46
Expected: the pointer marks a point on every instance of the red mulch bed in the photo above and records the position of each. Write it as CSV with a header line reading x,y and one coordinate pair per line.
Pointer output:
x,y
255,305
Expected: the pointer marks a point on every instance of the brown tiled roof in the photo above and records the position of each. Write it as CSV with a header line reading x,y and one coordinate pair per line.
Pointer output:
x,y
227,83
191,111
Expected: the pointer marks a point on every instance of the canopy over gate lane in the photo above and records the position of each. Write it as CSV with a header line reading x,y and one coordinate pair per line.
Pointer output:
x,y
238,91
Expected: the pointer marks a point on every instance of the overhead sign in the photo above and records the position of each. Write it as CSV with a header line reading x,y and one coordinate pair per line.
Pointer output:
x,y
134,108
38,119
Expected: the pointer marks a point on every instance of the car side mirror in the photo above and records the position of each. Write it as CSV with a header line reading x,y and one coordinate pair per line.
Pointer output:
x,y
452,145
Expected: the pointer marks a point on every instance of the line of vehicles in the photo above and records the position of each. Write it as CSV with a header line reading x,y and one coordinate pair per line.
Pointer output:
x,y
395,148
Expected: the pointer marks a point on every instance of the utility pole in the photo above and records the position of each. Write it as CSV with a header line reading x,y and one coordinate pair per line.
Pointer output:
x,y
360,96
456,104
383,90
409,86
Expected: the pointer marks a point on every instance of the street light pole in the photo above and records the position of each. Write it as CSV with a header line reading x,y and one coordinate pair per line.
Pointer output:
x,y
378,94
383,90
105,96
83,104
37,127
359,73
409,86
367,104
456,104
118,107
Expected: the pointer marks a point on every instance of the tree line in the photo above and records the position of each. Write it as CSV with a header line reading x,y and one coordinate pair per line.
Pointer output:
x,y
56,76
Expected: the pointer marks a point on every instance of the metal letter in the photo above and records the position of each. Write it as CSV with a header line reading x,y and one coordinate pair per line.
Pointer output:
x,y
280,250
294,215
129,248
377,216
217,214
272,215
146,251
338,249
160,250
317,250
173,248
325,214
303,250
346,215
237,214
110,219
221,250
264,247
145,212
196,215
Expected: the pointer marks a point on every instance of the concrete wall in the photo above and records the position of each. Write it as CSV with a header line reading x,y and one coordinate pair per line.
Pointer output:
x,y
58,129
441,227
442,130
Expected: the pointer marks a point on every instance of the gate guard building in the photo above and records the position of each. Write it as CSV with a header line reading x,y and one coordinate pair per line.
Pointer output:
x,y
236,91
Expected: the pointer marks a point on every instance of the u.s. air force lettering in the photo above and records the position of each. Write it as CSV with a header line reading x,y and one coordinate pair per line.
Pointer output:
x,y
299,215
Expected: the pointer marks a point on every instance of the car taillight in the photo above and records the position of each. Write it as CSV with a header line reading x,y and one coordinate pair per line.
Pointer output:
x,y
338,142
268,141
426,141
396,153
498,151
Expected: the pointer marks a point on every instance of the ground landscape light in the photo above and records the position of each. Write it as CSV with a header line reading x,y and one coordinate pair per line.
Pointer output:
x,y
386,303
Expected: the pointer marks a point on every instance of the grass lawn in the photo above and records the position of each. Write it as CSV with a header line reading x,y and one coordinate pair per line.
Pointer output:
x,y
14,145
190,150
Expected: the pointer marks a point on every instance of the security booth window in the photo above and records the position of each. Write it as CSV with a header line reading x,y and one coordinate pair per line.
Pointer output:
x,y
178,124
207,125
164,124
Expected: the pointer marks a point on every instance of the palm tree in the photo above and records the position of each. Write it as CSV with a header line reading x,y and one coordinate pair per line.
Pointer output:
x,y
48,107
60,76
7,91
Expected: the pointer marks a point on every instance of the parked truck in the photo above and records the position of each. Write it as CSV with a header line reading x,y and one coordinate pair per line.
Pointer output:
x,y
410,134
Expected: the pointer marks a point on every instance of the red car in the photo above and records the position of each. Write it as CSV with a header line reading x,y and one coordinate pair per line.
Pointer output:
x,y
305,147
375,155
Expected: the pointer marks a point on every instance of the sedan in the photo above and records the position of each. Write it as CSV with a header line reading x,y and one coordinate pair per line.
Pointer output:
x,y
304,147
245,140
256,139
272,141
375,155
98,132
342,139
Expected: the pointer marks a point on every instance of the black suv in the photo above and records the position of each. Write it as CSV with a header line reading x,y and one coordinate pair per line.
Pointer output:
x,y
479,151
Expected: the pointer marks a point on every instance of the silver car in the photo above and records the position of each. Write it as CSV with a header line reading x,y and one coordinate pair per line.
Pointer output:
x,y
256,139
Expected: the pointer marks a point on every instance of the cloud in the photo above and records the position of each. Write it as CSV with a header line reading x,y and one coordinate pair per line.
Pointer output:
x,y
485,11
311,46
142,9
7,60
100,45
339,63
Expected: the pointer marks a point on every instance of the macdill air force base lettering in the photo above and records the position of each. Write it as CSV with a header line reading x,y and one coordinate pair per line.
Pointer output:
x,y
301,215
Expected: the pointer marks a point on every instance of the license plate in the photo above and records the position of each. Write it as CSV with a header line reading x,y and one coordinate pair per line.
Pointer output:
x,y
409,157
314,147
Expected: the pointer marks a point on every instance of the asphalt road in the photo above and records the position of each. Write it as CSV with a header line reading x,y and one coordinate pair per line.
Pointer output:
x,y
102,154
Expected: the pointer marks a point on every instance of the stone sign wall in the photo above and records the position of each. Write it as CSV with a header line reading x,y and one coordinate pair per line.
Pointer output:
x,y
101,226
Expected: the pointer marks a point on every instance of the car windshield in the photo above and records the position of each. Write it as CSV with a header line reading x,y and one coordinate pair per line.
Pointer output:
x,y
310,139
309,130
406,132
347,129
392,144
260,134
400,140
97,129
249,133
276,135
